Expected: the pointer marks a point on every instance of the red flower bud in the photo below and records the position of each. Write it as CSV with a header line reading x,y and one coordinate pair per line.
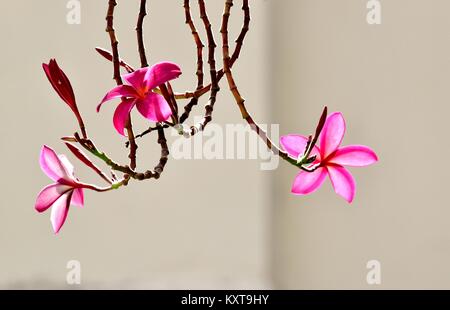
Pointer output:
x,y
109,57
62,86
60,83
84,159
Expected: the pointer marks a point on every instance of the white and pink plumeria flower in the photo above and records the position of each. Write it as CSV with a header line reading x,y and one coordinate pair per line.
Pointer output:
x,y
66,191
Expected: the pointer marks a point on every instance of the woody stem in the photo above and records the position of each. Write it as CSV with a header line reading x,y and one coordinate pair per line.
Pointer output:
x,y
140,34
117,77
235,91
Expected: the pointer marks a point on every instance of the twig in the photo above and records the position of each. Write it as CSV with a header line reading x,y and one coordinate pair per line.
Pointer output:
x,y
113,186
140,35
199,73
198,43
127,171
172,97
245,28
200,92
146,132
117,77
107,54
212,69
187,109
226,60
89,146
235,91
170,101
312,141
84,159
114,43
159,168
164,154
237,51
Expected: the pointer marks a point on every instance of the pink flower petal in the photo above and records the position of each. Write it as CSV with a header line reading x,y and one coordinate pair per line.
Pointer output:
x,y
154,108
68,167
122,114
60,210
119,92
308,182
295,145
342,181
161,73
52,165
49,195
78,197
136,78
354,155
332,134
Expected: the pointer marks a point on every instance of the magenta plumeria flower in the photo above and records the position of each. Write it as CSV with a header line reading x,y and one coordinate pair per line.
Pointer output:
x,y
330,159
139,93
66,190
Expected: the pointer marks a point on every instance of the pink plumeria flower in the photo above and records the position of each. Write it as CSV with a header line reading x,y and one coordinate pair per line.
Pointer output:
x,y
66,190
139,93
330,159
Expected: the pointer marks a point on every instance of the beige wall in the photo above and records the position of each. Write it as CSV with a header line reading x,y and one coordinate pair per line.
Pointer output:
x,y
203,225
391,82
226,224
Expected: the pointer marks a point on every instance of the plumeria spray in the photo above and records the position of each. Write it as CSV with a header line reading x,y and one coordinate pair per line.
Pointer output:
x,y
149,90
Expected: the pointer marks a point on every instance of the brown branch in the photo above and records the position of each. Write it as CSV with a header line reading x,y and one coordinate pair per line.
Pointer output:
x,y
241,102
128,172
159,168
198,43
170,101
313,140
85,160
149,130
114,43
164,153
117,77
199,73
87,144
172,98
212,69
187,109
140,33
239,43
235,56
235,91
107,55
245,28
90,147
226,60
